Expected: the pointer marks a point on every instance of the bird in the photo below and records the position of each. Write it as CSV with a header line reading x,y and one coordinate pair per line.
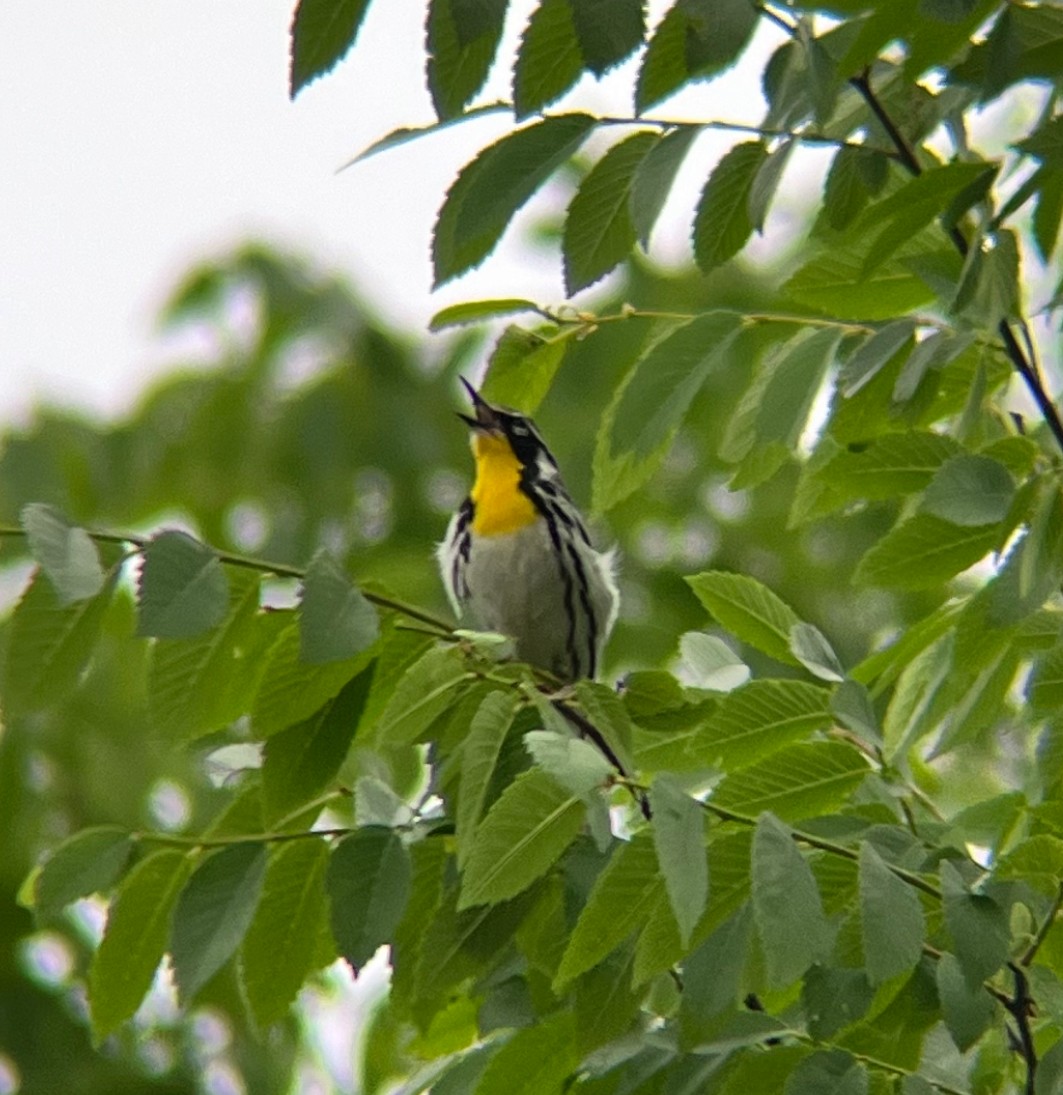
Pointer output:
x,y
517,558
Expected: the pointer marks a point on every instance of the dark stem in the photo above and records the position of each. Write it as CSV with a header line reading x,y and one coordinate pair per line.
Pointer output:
x,y
1021,1008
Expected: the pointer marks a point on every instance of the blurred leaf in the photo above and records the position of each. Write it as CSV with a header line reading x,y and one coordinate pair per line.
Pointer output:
x,y
873,354
795,782
405,134
679,839
213,913
599,232
65,553
322,33
970,491
535,1059
135,938
786,905
846,191
1047,214
520,839
749,610
655,176
368,881
462,38
710,663
1044,689
489,190
182,589
810,647
766,182
831,1070
280,946
619,902
978,926
86,863
523,366
967,1010
925,551
892,923
423,693
723,223
473,311
576,765
335,621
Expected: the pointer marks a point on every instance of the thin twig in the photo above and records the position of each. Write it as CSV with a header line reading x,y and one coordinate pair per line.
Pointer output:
x,y
1042,932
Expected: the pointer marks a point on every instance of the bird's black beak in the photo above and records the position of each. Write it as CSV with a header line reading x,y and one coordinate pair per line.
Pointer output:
x,y
486,417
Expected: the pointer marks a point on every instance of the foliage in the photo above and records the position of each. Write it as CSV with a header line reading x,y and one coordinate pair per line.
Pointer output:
x,y
850,878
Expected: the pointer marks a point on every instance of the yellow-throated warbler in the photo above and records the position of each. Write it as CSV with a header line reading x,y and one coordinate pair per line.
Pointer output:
x,y
517,558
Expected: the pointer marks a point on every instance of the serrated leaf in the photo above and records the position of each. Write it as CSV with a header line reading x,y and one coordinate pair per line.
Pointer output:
x,y
892,923
302,761
796,782
280,947
757,720
322,33
182,589
213,912
65,553
925,551
577,765
134,939
897,463
523,366
424,692
970,490
489,190
335,620
608,31
967,1010
520,839
291,690
368,881
978,925
792,927
599,232
199,685
462,38
846,191
622,897
766,182
49,644
749,610
722,224
480,752
679,839
709,663
84,864
549,59
874,353
475,311
654,178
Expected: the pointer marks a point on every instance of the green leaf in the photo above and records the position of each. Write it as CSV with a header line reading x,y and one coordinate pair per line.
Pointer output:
x,y
834,998
622,898
693,41
182,589
322,33
810,647
291,690
846,190
280,947
896,463
968,1010
549,59
84,864
722,224
874,353
577,765
709,663
480,752
792,927
213,912
749,610
474,311
891,918
978,925
1044,689
599,232
679,838
368,882
199,685
925,551
489,190
462,38
712,975
655,176
65,553
758,719
301,762
49,644
134,940
1036,861
535,1059
424,692
1048,214
970,491
523,366
828,1070
989,289
404,134
795,782
766,182
520,839
335,620
608,31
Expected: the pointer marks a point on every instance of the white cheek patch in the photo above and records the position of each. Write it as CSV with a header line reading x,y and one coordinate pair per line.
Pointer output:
x,y
545,465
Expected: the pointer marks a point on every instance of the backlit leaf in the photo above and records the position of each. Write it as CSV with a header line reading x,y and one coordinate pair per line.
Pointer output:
x,y
322,33
182,588
679,838
84,864
335,621
723,224
66,553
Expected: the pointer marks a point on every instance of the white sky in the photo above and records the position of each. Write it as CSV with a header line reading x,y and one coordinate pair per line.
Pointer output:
x,y
140,138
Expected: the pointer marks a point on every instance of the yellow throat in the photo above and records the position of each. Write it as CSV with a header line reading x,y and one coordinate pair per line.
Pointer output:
x,y
500,505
